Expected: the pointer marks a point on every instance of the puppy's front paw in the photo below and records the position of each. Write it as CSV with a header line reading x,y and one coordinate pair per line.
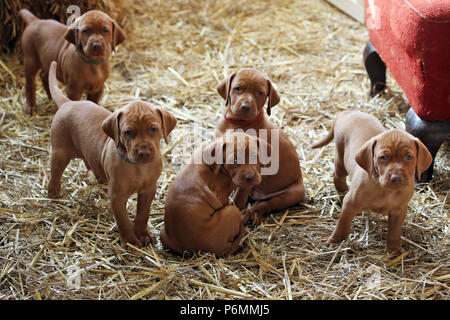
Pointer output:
x,y
257,213
394,250
145,236
337,236
245,216
256,217
129,238
30,110
53,192
331,243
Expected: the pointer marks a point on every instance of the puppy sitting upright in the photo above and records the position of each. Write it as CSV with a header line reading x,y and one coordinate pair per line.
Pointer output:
x,y
82,52
381,165
246,93
121,148
199,215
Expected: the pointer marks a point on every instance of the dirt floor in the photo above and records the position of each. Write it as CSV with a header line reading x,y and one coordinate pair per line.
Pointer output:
x,y
175,55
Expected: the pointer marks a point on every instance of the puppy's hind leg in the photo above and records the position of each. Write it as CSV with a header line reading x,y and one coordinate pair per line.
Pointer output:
x,y
59,161
31,70
292,194
340,173
44,78
344,225
339,180
236,243
226,229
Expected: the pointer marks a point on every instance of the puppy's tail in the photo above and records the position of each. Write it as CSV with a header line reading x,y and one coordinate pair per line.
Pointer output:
x,y
329,137
55,91
27,16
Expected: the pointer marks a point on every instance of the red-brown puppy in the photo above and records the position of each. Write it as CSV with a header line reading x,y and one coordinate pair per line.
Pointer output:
x,y
81,51
246,93
121,148
199,215
381,165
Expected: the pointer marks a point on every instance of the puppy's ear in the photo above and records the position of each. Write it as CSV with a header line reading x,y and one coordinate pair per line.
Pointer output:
x,y
111,126
168,122
424,158
72,34
274,97
224,88
364,157
118,36
210,151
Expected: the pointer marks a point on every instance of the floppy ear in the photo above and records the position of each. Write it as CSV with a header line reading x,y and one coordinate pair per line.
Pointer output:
x,y
72,34
211,149
364,157
111,126
168,122
424,158
274,97
224,88
118,36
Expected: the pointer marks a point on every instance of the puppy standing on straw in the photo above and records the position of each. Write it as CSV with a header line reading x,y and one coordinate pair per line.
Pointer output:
x,y
121,148
381,165
81,50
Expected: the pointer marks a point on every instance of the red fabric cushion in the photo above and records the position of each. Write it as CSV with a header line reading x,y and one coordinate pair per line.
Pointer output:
x,y
413,39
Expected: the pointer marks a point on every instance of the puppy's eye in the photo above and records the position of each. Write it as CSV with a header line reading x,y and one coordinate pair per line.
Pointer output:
x,y
129,132
408,157
105,30
260,93
85,31
383,157
238,89
153,129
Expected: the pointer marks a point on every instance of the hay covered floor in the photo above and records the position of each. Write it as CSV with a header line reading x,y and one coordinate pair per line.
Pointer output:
x,y
175,55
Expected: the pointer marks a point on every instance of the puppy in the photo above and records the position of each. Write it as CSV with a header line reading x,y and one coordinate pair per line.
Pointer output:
x,y
245,93
381,165
82,52
198,213
121,148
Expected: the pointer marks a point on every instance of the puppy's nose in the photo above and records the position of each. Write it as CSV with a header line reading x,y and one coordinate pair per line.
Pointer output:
x,y
245,107
396,178
143,154
97,45
249,177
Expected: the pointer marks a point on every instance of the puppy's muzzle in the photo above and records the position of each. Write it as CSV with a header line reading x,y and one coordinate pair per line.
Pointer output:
x,y
245,107
97,47
143,154
396,179
249,179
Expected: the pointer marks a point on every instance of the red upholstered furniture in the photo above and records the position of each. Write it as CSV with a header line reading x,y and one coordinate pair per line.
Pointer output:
x,y
412,38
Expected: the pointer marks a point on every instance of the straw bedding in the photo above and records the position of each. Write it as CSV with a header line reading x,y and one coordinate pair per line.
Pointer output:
x,y
175,54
